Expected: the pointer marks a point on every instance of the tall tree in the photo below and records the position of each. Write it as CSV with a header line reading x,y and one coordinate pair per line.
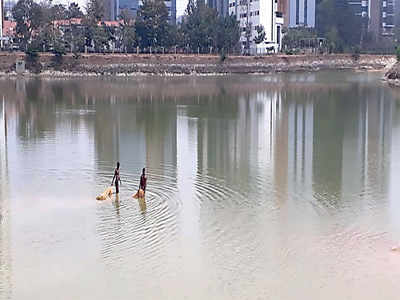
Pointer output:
x,y
336,19
100,38
95,10
127,31
226,34
202,28
74,11
199,25
58,12
152,25
29,17
260,38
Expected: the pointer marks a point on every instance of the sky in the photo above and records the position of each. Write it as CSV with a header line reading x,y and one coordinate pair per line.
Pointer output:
x,y
180,5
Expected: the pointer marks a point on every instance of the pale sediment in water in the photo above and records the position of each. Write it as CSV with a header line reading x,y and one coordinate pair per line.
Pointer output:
x,y
126,65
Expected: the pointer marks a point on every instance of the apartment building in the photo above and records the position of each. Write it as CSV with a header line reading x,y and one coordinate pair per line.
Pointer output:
x,y
221,6
378,15
387,17
302,13
361,8
254,13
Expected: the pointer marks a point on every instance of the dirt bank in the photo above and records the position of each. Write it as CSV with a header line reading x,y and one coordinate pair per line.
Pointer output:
x,y
131,64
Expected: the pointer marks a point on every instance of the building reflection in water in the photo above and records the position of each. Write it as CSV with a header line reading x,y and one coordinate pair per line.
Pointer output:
x,y
290,132
5,222
213,149
305,142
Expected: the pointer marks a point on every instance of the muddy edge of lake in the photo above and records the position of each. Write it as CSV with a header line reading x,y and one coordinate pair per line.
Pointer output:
x,y
168,64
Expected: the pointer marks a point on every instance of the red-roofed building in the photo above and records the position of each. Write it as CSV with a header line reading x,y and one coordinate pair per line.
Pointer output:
x,y
8,32
73,21
9,28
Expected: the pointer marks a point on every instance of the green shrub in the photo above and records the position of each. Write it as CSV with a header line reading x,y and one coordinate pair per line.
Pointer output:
x,y
32,58
398,54
356,53
222,56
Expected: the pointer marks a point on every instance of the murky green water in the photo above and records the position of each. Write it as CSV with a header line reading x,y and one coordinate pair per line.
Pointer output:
x,y
259,187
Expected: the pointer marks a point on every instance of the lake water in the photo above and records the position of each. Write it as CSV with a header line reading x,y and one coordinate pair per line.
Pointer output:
x,y
259,187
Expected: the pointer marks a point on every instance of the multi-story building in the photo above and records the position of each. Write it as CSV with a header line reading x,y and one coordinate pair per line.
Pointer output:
x,y
171,6
387,17
131,5
298,13
252,14
360,8
8,5
221,6
283,7
378,16
381,16
301,13
114,8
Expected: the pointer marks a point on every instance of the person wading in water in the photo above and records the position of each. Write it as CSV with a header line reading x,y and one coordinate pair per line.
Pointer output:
x,y
142,186
117,179
143,180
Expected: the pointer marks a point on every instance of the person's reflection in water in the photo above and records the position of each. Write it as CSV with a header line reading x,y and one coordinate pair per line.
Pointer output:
x,y
117,204
142,204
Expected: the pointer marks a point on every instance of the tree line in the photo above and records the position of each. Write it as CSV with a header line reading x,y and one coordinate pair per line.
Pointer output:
x,y
202,29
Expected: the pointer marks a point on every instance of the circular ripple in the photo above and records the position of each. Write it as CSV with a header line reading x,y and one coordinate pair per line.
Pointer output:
x,y
128,229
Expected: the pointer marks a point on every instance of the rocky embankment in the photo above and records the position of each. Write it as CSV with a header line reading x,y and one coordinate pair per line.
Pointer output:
x,y
131,64
393,75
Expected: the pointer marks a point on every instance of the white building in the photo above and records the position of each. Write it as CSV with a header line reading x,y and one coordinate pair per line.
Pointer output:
x,y
255,13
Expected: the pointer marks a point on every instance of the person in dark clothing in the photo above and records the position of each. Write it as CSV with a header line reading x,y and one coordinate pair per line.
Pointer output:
x,y
143,180
117,179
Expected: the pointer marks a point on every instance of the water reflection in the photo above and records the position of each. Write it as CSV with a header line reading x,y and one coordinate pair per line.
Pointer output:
x,y
5,235
242,172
